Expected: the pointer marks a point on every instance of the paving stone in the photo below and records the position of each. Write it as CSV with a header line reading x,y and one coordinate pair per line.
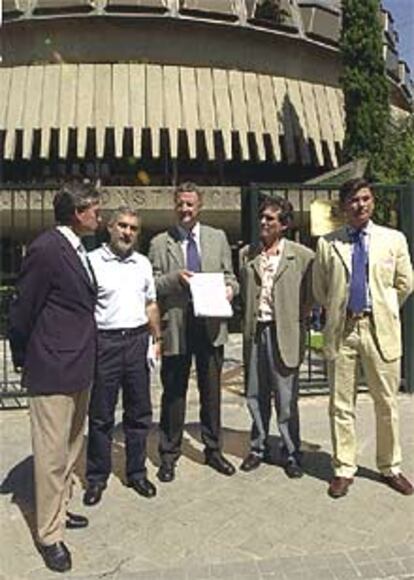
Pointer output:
x,y
408,564
391,567
272,566
381,553
370,570
360,556
403,549
344,572
203,526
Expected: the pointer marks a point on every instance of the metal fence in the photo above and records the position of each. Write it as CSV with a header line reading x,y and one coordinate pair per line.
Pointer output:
x,y
25,212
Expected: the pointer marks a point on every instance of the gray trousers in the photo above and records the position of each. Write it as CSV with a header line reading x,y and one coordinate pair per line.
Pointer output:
x,y
267,375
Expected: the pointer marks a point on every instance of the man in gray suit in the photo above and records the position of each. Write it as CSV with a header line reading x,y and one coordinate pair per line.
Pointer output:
x,y
176,255
277,297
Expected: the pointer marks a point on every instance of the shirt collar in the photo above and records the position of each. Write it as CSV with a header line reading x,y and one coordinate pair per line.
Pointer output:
x,y
280,248
71,237
195,230
365,231
109,256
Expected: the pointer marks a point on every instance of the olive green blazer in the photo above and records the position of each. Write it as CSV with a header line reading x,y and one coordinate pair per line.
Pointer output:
x,y
292,300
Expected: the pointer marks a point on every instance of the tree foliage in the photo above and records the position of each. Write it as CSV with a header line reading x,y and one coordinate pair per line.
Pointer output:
x,y
363,80
395,163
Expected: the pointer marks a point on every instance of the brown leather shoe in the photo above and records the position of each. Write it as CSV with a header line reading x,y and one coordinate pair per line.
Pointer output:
x,y
339,486
399,482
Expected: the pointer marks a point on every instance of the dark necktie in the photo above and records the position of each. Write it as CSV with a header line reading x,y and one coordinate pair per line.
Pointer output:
x,y
193,257
358,288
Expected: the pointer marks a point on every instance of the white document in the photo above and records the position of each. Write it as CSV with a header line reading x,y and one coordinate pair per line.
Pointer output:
x,y
209,296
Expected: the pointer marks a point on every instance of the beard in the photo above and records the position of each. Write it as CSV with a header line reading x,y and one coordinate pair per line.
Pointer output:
x,y
122,248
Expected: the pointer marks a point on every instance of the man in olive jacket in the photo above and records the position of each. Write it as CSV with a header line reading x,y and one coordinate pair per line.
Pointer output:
x,y
277,297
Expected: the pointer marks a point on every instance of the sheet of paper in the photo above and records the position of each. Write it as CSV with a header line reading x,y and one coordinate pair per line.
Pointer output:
x,y
209,296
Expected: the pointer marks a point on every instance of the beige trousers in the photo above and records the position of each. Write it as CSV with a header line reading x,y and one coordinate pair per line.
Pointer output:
x,y
58,425
383,379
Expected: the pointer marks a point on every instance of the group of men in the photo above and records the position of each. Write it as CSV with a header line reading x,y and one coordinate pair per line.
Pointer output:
x,y
85,324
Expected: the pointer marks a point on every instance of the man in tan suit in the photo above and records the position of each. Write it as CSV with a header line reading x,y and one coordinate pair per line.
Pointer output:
x,y
177,254
276,293
362,276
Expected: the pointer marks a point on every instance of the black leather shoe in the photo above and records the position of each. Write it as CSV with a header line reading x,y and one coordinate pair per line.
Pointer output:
x,y
293,470
56,557
166,472
144,487
75,521
220,464
252,461
93,494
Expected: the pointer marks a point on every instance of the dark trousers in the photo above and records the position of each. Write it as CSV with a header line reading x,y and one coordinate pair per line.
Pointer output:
x,y
122,362
175,371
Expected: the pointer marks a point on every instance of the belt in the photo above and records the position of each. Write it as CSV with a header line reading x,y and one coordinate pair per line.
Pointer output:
x,y
124,331
355,316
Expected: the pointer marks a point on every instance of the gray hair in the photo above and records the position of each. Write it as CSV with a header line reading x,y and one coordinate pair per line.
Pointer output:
x,y
75,195
123,210
188,186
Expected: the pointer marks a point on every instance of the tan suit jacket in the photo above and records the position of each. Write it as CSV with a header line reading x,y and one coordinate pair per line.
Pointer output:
x,y
292,300
167,259
390,283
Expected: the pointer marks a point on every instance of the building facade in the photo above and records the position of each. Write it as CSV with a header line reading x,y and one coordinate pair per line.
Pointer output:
x,y
142,94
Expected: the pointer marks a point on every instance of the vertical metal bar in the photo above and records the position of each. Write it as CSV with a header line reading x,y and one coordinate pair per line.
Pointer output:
x,y
249,214
406,207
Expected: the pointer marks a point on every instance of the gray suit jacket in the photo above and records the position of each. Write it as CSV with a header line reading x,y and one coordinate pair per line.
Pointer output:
x,y
167,259
292,299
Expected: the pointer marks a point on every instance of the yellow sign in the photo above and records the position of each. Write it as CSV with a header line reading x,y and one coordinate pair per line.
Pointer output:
x,y
325,216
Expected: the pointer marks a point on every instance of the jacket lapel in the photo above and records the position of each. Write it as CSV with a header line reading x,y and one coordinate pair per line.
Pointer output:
x,y
285,260
343,247
72,259
375,248
174,249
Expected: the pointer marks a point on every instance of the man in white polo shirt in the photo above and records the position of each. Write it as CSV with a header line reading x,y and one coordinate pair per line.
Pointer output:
x,y
126,316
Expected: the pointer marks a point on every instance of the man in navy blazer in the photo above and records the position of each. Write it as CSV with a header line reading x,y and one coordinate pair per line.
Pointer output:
x,y
52,337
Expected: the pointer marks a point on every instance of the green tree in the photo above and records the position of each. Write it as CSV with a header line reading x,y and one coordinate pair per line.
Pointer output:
x,y
395,163
363,80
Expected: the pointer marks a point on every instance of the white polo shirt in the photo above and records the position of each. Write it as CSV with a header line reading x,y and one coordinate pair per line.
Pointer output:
x,y
125,287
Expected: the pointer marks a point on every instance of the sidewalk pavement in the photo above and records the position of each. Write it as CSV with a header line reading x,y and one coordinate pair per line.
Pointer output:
x,y
258,525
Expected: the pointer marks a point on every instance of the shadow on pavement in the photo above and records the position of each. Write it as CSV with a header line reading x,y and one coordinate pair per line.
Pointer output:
x,y
19,484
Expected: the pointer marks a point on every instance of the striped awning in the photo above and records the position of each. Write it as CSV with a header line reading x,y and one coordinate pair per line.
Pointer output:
x,y
258,115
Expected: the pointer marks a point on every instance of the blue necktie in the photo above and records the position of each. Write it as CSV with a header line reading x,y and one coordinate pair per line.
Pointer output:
x,y
358,288
193,257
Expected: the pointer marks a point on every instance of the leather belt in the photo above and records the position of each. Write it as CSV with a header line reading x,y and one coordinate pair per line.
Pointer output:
x,y
355,316
124,331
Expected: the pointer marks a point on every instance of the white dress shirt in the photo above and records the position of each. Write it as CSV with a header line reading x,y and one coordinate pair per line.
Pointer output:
x,y
125,287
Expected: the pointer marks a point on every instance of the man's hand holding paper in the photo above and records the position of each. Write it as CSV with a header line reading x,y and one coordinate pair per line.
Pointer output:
x,y
210,295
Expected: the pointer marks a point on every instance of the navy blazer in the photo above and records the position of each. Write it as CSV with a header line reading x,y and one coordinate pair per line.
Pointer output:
x,y
52,327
